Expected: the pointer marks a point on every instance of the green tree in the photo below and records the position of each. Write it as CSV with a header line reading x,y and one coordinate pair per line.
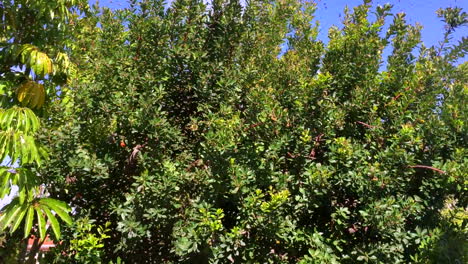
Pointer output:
x,y
232,134
35,41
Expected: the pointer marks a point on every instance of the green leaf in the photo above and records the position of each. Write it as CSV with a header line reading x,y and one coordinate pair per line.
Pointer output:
x,y
53,221
41,222
31,144
5,186
28,221
22,194
9,214
3,146
19,218
61,208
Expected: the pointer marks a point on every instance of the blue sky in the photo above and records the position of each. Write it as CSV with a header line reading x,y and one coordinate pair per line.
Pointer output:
x,y
329,13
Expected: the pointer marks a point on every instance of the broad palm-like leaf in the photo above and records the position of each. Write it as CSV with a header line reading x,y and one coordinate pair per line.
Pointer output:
x,y
14,213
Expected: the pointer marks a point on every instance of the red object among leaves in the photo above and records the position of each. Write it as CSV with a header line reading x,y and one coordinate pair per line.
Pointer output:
x,y
46,245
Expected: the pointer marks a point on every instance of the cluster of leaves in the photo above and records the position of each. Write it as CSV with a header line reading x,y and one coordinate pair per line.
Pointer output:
x,y
34,40
230,133
83,244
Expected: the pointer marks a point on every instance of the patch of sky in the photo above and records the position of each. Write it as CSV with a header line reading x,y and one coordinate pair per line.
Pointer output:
x,y
14,189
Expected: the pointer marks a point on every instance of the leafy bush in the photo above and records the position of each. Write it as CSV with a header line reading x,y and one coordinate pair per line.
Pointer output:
x,y
84,245
232,134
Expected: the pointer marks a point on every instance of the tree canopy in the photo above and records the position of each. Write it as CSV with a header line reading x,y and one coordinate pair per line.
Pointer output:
x,y
230,133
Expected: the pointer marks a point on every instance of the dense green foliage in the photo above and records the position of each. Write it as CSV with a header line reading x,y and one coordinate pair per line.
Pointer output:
x,y
228,134
35,40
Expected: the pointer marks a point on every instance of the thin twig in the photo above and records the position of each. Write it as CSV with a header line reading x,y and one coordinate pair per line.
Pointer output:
x,y
366,125
427,167
254,126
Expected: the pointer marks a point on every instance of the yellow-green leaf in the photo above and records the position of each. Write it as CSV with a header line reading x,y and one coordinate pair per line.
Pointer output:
x,y
19,218
28,221
41,222
61,208
53,221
